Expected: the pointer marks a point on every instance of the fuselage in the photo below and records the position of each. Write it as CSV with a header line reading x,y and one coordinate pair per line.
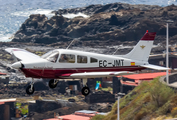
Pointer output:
x,y
63,61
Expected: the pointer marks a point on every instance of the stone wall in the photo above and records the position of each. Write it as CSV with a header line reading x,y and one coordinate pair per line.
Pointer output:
x,y
100,97
44,106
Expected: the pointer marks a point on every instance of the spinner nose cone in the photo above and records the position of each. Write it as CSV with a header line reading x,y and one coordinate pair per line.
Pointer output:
x,y
17,65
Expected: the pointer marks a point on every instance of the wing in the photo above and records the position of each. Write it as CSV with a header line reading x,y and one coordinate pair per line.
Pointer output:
x,y
95,74
22,54
155,67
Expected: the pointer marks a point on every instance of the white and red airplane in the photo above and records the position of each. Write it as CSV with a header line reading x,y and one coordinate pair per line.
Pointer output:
x,y
72,64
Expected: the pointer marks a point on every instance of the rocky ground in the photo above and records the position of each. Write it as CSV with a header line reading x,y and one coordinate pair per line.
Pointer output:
x,y
109,27
110,24
67,104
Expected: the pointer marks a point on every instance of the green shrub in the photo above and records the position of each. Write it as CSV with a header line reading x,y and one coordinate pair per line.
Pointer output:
x,y
22,108
140,115
98,117
18,104
150,99
160,93
164,109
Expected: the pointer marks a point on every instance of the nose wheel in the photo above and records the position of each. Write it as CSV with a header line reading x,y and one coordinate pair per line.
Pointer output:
x,y
85,91
53,83
30,89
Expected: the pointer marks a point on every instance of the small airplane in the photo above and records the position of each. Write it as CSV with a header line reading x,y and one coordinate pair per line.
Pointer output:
x,y
72,64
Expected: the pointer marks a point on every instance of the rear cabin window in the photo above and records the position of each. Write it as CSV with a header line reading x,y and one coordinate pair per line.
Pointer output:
x,y
81,59
67,58
93,60
52,57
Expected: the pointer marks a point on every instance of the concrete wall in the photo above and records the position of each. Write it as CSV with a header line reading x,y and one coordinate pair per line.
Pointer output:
x,y
172,61
2,111
118,87
43,106
4,79
7,110
100,98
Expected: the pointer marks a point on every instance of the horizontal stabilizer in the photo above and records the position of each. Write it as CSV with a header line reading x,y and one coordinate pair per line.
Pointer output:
x,y
22,54
155,67
95,74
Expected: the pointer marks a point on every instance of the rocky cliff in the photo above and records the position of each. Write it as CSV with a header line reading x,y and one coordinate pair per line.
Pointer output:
x,y
112,23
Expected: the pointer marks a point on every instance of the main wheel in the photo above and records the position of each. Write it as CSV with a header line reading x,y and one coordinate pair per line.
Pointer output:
x,y
85,91
30,91
52,84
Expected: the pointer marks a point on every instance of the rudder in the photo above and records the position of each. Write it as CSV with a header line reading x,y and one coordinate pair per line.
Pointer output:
x,y
143,48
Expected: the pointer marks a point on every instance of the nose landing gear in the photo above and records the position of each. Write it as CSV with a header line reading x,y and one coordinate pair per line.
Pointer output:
x,y
30,89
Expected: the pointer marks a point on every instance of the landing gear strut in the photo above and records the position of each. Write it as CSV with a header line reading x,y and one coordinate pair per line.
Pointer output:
x,y
53,83
30,89
85,89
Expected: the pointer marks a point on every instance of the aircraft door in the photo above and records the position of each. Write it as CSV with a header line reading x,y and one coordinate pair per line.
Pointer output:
x,y
49,69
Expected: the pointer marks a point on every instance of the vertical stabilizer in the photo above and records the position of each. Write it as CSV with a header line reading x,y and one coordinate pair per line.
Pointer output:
x,y
143,48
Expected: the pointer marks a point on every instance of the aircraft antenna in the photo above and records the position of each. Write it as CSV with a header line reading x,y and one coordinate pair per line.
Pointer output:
x,y
116,50
76,39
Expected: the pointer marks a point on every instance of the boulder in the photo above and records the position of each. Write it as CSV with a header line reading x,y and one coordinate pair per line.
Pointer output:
x,y
71,100
44,106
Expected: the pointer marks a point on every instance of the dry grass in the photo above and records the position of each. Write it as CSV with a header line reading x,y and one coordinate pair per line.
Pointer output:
x,y
24,100
151,99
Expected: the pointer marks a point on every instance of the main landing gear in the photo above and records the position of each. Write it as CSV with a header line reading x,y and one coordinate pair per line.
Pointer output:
x,y
53,83
85,89
30,89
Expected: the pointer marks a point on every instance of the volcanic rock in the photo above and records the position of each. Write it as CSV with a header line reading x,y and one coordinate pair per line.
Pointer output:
x,y
94,9
44,106
112,22
100,97
71,100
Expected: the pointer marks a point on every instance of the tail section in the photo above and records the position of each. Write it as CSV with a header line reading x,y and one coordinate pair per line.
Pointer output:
x,y
143,48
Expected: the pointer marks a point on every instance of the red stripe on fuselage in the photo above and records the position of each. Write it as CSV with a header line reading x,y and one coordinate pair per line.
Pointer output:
x,y
57,73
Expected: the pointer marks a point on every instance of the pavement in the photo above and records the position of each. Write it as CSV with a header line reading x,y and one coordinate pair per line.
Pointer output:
x,y
171,119
172,80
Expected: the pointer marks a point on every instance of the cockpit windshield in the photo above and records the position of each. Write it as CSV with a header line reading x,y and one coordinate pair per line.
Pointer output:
x,y
51,56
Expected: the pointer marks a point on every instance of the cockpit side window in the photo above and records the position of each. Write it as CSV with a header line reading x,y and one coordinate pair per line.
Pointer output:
x,y
93,60
53,57
81,59
67,58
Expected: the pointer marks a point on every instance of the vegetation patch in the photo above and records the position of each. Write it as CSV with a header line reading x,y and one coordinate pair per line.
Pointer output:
x,y
98,117
150,100
23,108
